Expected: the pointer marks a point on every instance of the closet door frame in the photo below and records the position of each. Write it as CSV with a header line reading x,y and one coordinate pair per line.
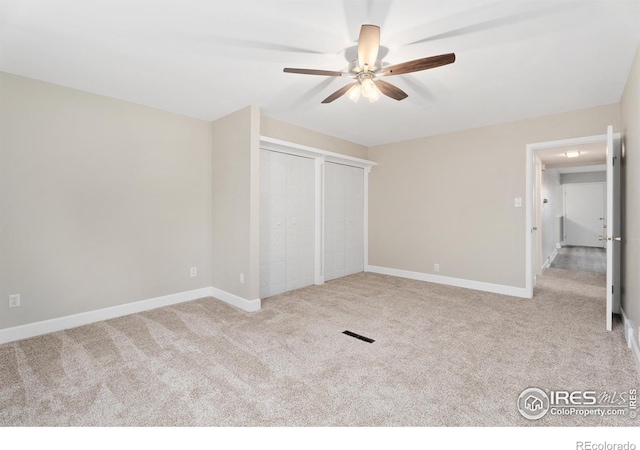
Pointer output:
x,y
321,157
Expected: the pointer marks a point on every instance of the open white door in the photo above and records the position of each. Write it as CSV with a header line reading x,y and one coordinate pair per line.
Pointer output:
x,y
613,225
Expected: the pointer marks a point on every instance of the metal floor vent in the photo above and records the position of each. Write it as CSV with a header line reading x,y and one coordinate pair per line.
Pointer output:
x,y
357,336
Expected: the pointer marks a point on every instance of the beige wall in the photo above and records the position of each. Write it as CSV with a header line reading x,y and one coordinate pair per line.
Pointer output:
x,y
235,196
630,118
449,199
291,133
102,202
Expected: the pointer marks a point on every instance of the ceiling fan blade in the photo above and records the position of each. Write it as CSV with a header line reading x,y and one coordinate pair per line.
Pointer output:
x,y
339,93
327,73
390,90
368,45
419,64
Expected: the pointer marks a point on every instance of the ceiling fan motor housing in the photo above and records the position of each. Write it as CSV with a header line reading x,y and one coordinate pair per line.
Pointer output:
x,y
354,66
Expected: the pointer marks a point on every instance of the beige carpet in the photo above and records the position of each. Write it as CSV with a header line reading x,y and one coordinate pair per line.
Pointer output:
x,y
441,356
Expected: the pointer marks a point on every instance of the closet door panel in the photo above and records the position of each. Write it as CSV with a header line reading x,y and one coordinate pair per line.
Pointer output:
x,y
287,222
273,216
354,220
334,221
300,222
344,220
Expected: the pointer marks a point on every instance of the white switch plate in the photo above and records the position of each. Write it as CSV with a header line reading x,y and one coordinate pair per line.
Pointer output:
x,y
194,272
14,300
518,202
241,278
436,267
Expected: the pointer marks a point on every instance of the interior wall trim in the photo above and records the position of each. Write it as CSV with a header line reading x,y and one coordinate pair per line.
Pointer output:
x,y
550,258
77,320
234,300
278,145
630,338
450,281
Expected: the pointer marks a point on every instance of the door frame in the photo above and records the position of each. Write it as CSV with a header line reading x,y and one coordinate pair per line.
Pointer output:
x,y
530,279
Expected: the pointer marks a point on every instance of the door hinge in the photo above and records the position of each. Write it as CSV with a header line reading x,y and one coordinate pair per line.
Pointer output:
x,y
612,288
613,161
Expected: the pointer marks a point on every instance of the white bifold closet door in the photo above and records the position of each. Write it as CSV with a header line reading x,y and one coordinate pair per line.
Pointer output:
x,y
287,222
343,220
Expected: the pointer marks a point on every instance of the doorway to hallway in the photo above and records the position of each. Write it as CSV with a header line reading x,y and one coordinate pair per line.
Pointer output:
x,y
580,258
558,154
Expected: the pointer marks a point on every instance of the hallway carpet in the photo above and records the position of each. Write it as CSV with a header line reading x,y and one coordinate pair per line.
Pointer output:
x,y
587,259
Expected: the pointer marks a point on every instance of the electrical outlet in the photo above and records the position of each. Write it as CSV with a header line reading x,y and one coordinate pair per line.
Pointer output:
x,y
194,272
436,267
14,300
242,278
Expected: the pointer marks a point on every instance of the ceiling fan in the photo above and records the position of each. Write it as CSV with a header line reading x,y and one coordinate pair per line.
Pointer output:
x,y
368,69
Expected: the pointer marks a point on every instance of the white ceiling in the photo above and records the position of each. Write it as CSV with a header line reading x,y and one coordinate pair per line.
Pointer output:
x,y
208,58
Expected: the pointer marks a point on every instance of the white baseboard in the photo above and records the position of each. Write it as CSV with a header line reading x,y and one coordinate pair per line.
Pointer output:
x,y
77,320
239,302
629,337
628,328
550,259
450,281
635,349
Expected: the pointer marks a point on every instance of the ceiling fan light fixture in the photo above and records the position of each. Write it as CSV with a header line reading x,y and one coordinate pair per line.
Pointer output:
x,y
368,87
375,95
572,154
370,90
354,92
